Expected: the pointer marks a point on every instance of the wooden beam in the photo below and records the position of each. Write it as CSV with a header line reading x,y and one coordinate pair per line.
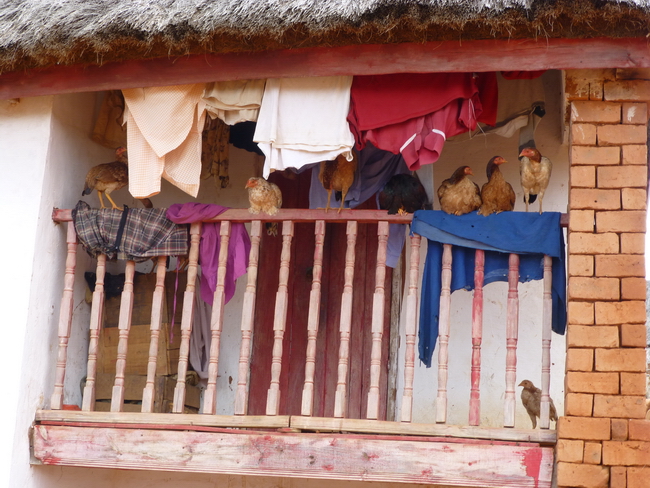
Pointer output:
x,y
444,56
297,456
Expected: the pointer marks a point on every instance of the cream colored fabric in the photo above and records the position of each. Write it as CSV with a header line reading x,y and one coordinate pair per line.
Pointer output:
x,y
234,101
164,127
304,121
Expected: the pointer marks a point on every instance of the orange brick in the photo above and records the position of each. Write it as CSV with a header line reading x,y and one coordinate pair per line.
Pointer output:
x,y
635,154
630,90
624,359
576,89
570,451
579,405
617,477
633,335
622,176
621,265
633,243
591,155
629,311
619,406
579,359
635,113
596,91
584,176
624,221
626,453
580,313
593,288
592,336
582,475
583,134
603,112
578,382
581,265
639,429
592,452
582,198
585,428
619,429
637,477
633,384
585,243
634,198
582,220
609,135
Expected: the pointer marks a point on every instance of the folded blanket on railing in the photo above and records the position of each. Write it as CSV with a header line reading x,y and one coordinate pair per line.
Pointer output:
x,y
238,247
530,235
135,233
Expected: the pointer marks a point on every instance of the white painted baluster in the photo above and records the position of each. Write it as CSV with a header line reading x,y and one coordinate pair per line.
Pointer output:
x,y
340,397
187,318
378,300
477,337
156,323
279,320
512,331
248,313
96,316
411,328
443,335
65,317
547,317
216,321
124,327
307,407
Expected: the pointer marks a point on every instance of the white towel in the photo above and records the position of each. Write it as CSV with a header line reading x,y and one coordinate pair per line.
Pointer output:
x,y
234,101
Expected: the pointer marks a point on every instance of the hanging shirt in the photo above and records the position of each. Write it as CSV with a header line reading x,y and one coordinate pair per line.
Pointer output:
x,y
234,101
303,121
164,126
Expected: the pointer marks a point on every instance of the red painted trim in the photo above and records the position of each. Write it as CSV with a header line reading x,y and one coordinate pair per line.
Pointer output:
x,y
445,56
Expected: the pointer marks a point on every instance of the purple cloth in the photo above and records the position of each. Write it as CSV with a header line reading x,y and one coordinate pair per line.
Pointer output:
x,y
238,248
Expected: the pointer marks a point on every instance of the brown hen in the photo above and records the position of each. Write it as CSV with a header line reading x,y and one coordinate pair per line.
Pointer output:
x,y
531,397
497,194
108,177
459,195
266,197
338,176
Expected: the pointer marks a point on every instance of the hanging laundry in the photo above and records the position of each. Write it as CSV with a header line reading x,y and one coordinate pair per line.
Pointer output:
x,y
234,101
164,126
303,121
109,130
215,152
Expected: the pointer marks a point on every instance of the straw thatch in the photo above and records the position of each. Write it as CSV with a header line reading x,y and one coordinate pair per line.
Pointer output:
x,y
35,33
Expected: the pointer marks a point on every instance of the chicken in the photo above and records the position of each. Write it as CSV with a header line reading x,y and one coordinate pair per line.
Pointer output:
x,y
108,177
535,171
266,197
403,194
338,176
497,194
459,195
531,397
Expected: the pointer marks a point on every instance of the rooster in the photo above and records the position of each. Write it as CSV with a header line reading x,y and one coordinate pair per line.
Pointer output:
x,y
266,197
403,194
338,176
535,171
531,397
497,194
459,195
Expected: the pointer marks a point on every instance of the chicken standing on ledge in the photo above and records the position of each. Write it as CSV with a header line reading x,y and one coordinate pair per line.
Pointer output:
x,y
531,397
266,197
403,194
338,176
497,194
535,171
459,195
108,177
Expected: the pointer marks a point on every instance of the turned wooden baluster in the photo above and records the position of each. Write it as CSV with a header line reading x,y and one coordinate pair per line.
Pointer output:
x,y
248,313
216,321
443,335
378,298
340,397
187,318
65,318
477,337
547,317
156,323
279,320
411,328
96,315
312,321
512,331
124,327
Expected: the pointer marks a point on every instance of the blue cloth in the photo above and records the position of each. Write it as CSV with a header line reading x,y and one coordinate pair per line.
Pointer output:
x,y
530,235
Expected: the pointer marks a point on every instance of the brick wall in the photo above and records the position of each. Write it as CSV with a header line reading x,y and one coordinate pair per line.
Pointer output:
x,y
603,439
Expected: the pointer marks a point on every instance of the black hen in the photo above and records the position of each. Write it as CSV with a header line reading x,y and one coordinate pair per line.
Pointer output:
x,y
403,194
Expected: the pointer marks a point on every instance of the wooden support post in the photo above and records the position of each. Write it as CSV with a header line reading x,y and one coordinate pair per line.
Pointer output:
x,y
279,320
411,328
307,407
547,318
340,396
443,334
512,331
65,317
248,313
477,336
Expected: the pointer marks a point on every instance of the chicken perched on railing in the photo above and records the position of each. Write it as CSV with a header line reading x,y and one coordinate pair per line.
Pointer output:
x,y
497,194
531,397
535,171
403,194
264,196
458,194
338,176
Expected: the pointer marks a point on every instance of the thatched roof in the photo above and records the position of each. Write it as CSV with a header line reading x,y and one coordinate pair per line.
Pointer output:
x,y
37,33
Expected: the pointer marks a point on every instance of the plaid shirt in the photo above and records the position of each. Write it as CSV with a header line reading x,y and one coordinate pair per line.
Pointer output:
x,y
147,232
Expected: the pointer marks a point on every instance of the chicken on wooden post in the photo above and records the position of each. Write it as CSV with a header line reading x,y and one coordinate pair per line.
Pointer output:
x,y
459,195
108,177
531,397
535,172
497,194
338,176
264,196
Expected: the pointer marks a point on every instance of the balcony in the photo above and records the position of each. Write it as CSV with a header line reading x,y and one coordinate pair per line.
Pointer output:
x,y
321,391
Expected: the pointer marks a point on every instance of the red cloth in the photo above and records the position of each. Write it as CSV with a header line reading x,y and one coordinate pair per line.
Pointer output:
x,y
522,75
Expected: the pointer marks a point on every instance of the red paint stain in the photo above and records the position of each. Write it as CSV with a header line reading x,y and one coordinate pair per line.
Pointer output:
x,y
333,442
533,462
370,457
427,473
328,467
